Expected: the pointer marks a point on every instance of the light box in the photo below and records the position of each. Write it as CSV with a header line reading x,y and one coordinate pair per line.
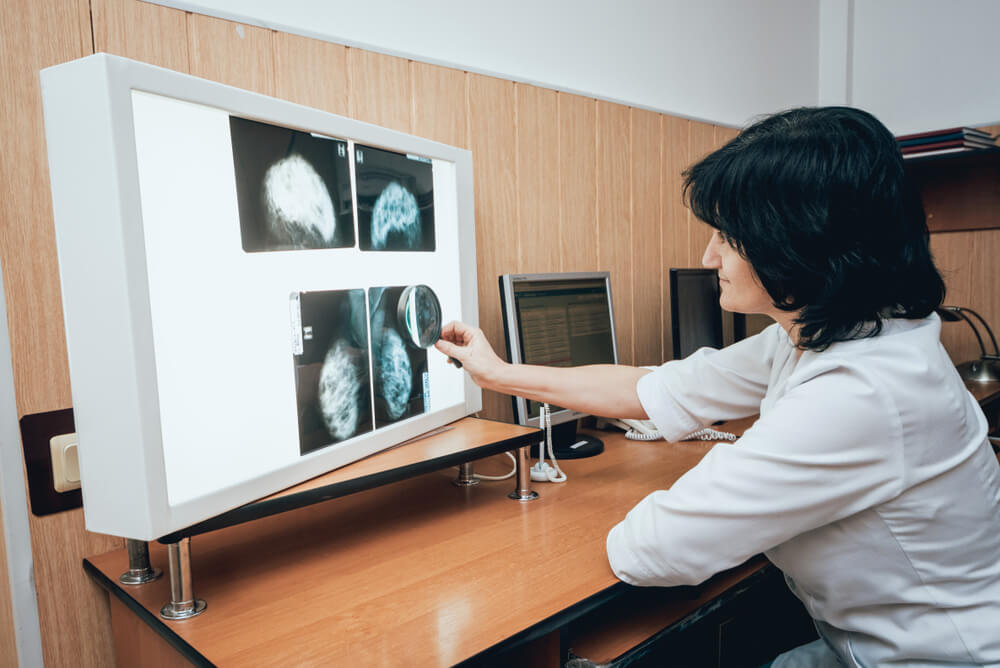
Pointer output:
x,y
231,268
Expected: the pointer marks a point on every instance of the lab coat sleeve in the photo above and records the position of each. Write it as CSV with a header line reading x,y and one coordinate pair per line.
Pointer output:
x,y
709,385
829,448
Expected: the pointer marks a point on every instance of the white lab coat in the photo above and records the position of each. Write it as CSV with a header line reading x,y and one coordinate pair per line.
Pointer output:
x,y
868,480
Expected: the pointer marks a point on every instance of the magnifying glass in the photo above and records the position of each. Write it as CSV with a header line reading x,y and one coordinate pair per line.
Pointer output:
x,y
418,317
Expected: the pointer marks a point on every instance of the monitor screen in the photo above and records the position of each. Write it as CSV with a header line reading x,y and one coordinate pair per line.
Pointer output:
x,y
696,316
557,320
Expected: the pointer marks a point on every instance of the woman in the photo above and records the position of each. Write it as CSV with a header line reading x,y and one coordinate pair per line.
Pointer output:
x,y
868,479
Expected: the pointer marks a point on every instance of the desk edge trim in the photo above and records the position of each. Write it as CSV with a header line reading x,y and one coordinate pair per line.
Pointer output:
x,y
151,620
261,509
550,624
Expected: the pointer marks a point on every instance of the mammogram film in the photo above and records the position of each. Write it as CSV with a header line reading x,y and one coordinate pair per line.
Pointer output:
x,y
395,200
332,378
399,368
293,188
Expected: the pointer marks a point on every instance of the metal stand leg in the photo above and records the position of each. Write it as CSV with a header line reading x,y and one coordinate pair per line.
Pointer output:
x,y
466,478
140,571
182,604
522,490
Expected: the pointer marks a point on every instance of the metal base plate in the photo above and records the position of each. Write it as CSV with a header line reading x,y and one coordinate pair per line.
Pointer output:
x,y
140,577
531,496
183,611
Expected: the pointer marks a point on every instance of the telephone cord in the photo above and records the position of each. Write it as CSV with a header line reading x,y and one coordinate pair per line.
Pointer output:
x,y
707,434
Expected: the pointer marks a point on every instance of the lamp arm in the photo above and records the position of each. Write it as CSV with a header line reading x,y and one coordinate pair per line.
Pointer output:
x,y
960,312
993,339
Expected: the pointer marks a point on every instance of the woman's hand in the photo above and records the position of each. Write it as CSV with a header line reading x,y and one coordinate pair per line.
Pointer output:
x,y
469,346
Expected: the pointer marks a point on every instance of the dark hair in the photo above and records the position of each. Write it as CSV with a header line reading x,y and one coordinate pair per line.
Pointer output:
x,y
817,201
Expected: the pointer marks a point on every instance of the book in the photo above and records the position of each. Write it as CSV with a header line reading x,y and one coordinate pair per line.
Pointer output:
x,y
954,143
962,131
944,137
910,156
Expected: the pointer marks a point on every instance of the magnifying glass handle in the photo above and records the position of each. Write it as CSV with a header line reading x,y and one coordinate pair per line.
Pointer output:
x,y
458,365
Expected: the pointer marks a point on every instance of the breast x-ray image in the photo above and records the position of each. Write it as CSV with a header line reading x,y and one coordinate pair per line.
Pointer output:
x,y
395,200
332,378
293,188
399,365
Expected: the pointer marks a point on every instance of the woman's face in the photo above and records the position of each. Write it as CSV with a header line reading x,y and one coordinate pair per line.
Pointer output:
x,y
738,282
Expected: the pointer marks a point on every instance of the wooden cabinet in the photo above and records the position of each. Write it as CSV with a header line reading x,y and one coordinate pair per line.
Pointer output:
x,y
960,191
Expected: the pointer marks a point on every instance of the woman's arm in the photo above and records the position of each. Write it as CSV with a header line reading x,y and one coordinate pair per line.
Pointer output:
x,y
607,390
828,449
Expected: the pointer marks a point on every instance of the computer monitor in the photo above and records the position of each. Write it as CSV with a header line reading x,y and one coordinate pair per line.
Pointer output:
x,y
563,319
695,314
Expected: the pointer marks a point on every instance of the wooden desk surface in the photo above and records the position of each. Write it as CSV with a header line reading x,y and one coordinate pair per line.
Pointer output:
x,y
419,571
983,392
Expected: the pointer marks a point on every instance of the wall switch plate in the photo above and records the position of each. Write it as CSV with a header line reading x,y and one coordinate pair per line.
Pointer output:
x,y
65,462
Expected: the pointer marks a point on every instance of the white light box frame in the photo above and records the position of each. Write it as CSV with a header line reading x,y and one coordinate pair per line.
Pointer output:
x,y
181,340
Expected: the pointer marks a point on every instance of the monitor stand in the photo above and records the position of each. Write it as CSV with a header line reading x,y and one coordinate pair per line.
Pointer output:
x,y
567,444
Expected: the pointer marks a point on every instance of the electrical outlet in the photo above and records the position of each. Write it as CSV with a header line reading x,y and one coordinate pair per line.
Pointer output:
x,y
65,462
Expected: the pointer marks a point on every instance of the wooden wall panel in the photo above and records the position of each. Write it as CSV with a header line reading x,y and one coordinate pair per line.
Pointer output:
x,y
380,90
142,31
967,263
537,180
984,296
440,104
83,33
614,215
493,140
577,183
27,235
647,288
674,246
231,53
37,34
73,611
311,72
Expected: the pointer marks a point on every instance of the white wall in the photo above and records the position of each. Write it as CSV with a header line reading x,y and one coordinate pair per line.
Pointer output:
x,y
834,49
723,61
926,64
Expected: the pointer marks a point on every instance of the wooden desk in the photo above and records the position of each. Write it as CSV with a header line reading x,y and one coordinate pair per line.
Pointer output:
x,y
419,572
984,393
988,396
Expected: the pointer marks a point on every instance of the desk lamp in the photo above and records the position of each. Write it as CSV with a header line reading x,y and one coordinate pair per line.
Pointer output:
x,y
984,369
